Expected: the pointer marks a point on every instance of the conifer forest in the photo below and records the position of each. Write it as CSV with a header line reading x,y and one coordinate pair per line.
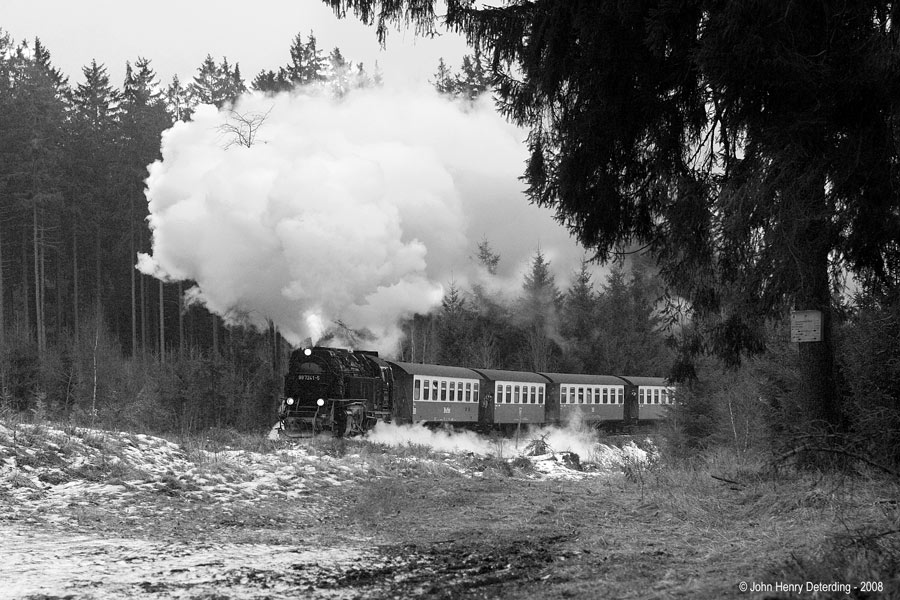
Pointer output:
x,y
699,279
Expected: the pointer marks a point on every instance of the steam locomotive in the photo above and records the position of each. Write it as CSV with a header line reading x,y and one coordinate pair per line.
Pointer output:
x,y
347,392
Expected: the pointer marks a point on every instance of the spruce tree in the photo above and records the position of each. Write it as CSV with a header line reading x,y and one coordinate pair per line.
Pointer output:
x,y
750,146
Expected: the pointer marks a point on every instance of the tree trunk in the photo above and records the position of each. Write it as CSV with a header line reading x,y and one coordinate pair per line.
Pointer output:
x,y
820,395
215,333
180,319
42,288
38,302
60,319
2,314
26,310
75,299
143,295
162,327
97,270
131,257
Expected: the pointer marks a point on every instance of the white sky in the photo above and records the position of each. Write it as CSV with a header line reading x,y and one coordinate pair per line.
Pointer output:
x,y
176,35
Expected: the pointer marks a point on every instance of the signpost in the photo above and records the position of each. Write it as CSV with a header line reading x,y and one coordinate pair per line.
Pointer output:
x,y
806,326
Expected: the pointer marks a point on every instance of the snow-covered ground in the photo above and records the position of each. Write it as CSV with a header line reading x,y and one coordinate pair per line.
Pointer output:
x,y
75,502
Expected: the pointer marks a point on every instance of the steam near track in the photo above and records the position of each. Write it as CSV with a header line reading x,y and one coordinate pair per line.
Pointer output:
x,y
572,438
355,210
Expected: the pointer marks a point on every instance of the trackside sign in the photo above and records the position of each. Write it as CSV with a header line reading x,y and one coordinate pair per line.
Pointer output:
x,y
806,326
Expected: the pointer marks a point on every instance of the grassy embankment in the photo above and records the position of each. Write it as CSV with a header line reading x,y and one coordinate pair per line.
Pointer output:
x,y
474,526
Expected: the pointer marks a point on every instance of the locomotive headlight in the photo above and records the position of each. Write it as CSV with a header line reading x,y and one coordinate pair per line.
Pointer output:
x,y
307,352
320,402
289,401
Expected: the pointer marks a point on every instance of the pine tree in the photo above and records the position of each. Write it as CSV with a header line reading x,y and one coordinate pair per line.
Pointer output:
x,y
470,82
539,313
144,118
748,144
474,78
487,257
339,73
579,321
96,168
35,136
178,100
455,328
443,79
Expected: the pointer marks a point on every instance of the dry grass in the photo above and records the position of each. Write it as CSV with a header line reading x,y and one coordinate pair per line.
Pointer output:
x,y
663,529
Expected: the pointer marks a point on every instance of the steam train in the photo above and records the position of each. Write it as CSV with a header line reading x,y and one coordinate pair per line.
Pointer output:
x,y
347,392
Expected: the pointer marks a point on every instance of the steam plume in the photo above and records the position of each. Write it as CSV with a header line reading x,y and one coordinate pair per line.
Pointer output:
x,y
355,210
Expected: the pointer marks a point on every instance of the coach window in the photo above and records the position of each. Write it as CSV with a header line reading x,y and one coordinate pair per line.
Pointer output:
x,y
417,389
540,394
588,395
499,394
621,396
516,393
468,391
443,390
580,395
425,389
508,394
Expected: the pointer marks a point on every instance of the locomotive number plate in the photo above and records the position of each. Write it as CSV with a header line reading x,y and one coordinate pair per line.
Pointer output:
x,y
309,377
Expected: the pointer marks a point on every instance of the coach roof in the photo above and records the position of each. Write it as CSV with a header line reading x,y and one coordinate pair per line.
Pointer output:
x,y
523,376
435,370
581,379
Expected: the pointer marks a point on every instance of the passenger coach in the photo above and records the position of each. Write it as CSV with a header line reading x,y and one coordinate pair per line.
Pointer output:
x,y
435,393
654,395
589,398
513,397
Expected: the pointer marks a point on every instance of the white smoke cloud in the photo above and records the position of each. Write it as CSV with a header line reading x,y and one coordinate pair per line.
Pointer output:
x,y
358,210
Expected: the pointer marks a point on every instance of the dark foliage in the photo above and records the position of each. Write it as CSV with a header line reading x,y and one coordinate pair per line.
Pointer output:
x,y
747,144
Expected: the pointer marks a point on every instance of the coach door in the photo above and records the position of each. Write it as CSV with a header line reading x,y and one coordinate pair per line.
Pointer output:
x,y
485,408
630,415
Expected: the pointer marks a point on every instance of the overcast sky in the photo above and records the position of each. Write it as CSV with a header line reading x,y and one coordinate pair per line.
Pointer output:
x,y
176,35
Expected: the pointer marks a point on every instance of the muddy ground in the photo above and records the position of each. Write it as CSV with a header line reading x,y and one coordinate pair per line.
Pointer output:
x,y
407,527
